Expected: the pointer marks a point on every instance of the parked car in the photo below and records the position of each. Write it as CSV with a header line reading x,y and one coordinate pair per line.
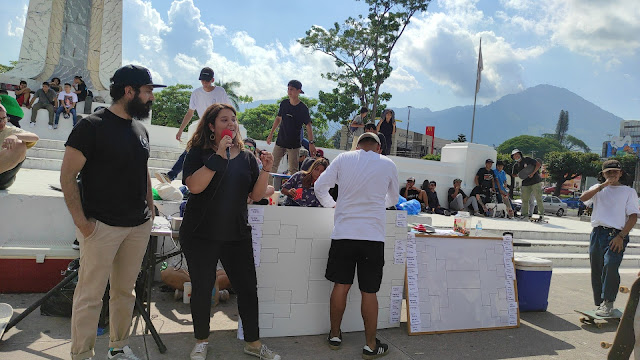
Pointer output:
x,y
551,189
552,205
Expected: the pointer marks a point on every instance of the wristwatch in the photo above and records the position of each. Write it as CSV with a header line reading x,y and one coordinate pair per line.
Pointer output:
x,y
312,141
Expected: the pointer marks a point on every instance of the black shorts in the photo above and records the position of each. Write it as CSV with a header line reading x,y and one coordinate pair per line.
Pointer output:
x,y
8,177
345,255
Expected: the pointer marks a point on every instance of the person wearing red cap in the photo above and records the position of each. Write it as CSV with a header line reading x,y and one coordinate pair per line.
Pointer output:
x,y
306,164
615,212
112,227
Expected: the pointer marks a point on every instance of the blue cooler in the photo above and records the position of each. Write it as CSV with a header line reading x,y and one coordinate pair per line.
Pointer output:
x,y
534,278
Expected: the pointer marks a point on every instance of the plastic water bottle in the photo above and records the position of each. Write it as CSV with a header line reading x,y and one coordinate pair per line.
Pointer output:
x,y
478,228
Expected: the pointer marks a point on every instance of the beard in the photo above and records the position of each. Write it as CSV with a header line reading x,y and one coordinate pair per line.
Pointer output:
x,y
137,109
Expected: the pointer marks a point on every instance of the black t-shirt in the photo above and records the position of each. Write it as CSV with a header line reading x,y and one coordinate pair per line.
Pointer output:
x,y
411,194
220,212
387,129
293,117
83,92
114,177
485,177
433,199
479,190
453,190
383,143
527,161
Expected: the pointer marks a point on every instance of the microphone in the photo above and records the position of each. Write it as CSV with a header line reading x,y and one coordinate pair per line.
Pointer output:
x,y
226,132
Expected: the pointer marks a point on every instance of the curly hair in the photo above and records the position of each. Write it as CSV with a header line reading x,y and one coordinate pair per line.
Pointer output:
x,y
307,178
202,136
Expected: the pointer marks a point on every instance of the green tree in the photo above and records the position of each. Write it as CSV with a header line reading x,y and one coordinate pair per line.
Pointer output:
x,y
562,126
461,138
258,120
170,105
567,165
433,157
231,88
5,68
540,146
361,49
628,162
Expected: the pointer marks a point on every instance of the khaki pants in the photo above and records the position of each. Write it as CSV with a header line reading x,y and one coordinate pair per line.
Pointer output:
x,y
109,253
292,154
536,189
37,106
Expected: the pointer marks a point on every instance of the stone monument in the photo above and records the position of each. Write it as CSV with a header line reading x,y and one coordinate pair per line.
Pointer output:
x,y
65,38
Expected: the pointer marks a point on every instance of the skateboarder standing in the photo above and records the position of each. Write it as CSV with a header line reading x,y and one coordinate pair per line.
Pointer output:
x,y
529,184
615,211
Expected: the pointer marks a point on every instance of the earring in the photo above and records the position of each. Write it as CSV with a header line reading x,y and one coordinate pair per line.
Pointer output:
x,y
212,137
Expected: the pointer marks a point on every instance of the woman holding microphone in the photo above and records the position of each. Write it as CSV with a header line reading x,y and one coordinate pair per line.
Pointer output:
x,y
220,175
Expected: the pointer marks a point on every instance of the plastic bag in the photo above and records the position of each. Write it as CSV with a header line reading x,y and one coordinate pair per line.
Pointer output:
x,y
412,207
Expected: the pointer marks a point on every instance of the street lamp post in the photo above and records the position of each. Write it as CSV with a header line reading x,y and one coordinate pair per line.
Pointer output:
x,y
406,141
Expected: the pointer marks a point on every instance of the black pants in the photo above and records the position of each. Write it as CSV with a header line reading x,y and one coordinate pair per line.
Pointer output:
x,y
202,254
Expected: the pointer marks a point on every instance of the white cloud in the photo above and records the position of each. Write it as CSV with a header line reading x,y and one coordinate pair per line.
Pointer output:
x,y
20,20
401,81
148,25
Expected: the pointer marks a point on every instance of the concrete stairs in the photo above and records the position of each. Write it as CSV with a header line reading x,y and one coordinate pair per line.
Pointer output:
x,y
47,155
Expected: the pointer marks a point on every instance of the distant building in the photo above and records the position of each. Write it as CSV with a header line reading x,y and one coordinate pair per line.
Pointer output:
x,y
630,128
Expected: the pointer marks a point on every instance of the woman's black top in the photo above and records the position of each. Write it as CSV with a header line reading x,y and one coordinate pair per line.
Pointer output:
x,y
386,127
219,213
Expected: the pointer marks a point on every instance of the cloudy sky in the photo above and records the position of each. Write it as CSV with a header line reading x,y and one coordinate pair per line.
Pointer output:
x,y
587,46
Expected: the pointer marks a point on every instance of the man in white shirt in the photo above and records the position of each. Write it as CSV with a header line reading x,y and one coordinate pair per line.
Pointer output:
x,y
201,99
368,184
67,100
615,212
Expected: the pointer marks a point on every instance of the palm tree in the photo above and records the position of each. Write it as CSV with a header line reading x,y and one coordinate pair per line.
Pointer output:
x,y
230,87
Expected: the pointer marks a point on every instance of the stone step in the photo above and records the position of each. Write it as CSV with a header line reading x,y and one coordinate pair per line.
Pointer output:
x,y
572,247
155,165
43,147
569,260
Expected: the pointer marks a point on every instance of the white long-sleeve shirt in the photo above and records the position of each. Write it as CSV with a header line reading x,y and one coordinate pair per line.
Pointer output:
x,y
367,184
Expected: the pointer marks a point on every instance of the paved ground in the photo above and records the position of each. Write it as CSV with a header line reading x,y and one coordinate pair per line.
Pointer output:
x,y
555,334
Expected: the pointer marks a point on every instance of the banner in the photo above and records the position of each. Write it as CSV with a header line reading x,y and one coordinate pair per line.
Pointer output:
x,y
430,131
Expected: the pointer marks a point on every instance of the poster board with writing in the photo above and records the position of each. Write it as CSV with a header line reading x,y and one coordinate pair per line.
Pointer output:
x,y
456,284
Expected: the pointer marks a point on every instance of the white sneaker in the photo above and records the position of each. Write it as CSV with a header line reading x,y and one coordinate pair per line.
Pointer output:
x,y
125,354
605,309
32,124
199,351
50,127
263,352
55,126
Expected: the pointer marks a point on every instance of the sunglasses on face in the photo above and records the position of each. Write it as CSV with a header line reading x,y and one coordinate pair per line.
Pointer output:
x,y
249,147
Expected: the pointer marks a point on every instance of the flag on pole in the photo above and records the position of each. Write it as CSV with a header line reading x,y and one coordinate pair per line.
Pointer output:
x,y
480,68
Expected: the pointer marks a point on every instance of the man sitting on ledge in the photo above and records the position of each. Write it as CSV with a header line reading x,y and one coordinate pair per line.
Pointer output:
x,y
15,143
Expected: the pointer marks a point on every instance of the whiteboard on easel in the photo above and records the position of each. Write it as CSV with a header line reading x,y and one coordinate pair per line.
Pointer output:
x,y
456,284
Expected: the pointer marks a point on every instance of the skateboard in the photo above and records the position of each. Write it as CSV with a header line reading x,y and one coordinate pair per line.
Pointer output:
x,y
539,219
590,317
624,341
525,172
6,311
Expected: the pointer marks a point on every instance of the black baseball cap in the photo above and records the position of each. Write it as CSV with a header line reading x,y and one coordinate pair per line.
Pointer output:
x,y
370,125
133,75
296,84
611,164
488,161
206,74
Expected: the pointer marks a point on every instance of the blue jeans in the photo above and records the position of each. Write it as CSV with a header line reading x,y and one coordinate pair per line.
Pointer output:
x,y
177,167
60,110
605,277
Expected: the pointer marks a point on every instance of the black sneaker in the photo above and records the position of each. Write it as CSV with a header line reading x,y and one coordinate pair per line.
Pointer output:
x,y
335,342
75,245
380,351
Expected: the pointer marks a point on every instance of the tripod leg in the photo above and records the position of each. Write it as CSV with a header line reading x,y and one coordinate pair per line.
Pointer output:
x,y
36,304
150,326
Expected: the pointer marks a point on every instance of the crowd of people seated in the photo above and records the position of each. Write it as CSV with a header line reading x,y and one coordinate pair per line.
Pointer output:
x,y
56,98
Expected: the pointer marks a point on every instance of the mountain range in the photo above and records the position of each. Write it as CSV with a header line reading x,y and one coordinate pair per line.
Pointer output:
x,y
533,111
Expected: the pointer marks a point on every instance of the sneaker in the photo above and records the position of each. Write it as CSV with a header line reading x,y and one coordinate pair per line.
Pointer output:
x,y
380,351
32,124
125,354
163,178
55,126
263,352
75,245
605,309
199,351
335,342
50,127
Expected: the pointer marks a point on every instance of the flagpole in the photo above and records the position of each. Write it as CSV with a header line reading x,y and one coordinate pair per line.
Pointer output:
x,y
475,96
